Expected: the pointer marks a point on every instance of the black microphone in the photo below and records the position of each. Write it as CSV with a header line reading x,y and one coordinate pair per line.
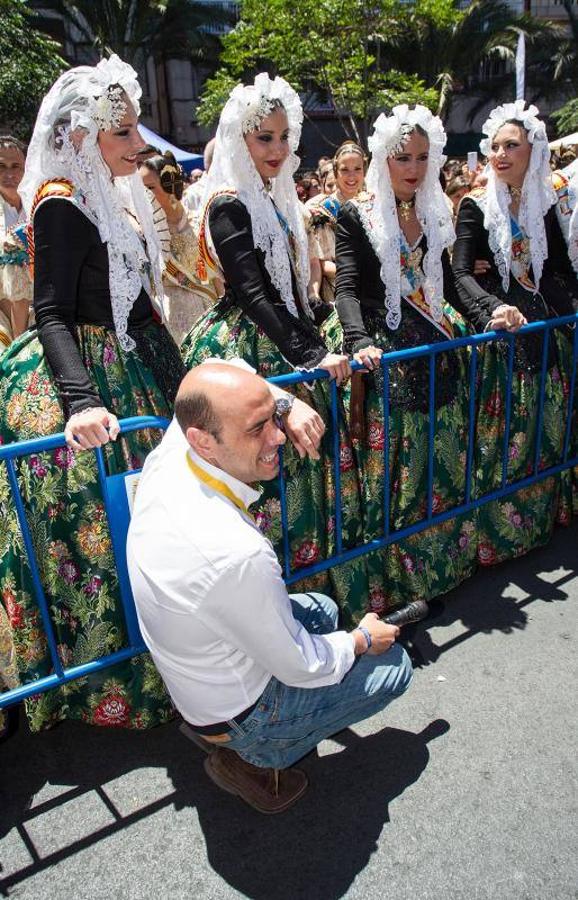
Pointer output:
x,y
413,612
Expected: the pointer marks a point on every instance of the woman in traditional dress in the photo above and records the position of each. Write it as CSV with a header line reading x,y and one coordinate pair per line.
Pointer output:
x,y
15,280
512,225
252,235
98,353
322,212
393,276
187,298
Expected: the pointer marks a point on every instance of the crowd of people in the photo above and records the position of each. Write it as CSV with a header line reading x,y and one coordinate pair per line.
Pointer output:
x,y
138,277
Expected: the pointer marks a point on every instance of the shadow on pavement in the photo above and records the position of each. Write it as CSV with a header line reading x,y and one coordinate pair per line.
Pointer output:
x,y
315,849
487,606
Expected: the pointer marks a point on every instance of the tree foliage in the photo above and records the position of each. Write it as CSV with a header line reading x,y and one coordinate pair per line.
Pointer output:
x,y
447,46
328,49
566,118
31,62
139,29
366,57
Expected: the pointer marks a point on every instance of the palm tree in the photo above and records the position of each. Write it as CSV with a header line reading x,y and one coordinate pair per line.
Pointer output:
x,y
141,29
451,51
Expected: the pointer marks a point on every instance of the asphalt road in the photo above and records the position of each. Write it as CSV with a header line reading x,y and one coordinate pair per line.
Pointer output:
x,y
466,787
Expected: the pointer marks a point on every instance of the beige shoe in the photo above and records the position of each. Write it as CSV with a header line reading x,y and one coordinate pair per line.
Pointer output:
x,y
268,790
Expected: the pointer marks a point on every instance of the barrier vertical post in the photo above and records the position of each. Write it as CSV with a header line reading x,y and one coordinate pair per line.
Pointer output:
x,y
284,517
571,398
471,421
509,379
431,432
34,571
386,477
540,422
336,465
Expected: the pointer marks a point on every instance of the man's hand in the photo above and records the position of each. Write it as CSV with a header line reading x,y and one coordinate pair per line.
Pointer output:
x,y
304,428
382,636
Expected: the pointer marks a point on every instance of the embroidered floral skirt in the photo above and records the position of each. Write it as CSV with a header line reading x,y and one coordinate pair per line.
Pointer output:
x,y
68,524
225,332
511,527
436,560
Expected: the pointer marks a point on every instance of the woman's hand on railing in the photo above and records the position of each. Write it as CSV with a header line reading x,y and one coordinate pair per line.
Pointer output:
x,y
369,357
304,428
337,364
91,428
506,318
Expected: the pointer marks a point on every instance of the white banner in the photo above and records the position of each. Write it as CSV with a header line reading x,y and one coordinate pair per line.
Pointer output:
x,y
520,67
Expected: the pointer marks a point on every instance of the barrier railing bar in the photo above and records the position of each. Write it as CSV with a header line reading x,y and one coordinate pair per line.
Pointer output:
x,y
453,513
571,399
386,476
508,417
431,432
336,465
34,570
426,349
54,441
471,422
540,423
47,682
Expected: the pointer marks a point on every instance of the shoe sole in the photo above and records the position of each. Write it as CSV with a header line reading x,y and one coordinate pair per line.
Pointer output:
x,y
231,788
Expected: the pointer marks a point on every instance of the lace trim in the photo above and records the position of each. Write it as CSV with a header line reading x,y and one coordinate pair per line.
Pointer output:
x,y
387,250
129,266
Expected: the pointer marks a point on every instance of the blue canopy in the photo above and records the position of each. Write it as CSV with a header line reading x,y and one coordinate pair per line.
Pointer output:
x,y
188,161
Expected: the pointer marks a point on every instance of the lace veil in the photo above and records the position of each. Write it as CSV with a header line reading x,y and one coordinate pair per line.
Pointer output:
x,y
64,145
382,225
537,196
233,168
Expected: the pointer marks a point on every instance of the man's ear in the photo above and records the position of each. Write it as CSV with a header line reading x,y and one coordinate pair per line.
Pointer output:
x,y
202,442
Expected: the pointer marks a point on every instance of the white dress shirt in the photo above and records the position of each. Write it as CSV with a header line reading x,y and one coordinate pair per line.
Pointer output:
x,y
212,605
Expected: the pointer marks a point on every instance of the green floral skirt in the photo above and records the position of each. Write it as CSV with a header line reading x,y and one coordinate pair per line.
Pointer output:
x,y
435,560
523,520
66,515
225,332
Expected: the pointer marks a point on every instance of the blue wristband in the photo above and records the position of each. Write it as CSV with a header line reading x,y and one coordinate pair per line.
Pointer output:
x,y
366,635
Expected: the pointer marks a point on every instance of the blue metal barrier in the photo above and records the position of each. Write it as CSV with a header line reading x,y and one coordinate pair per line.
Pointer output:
x,y
116,501
117,513
431,351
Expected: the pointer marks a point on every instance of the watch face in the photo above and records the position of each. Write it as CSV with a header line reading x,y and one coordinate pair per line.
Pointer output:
x,y
283,406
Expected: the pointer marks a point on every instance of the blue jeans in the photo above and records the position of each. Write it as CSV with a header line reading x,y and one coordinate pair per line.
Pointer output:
x,y
288,722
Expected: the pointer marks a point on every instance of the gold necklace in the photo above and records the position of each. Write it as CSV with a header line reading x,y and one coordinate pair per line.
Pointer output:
x,y
405,207
515,193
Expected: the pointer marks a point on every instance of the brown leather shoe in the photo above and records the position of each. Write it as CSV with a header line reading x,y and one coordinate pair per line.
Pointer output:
x,y
267,790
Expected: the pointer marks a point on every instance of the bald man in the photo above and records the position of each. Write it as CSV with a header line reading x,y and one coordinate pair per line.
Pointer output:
x,y
260,675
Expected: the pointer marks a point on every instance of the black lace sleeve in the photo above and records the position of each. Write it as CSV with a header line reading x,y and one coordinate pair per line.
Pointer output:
x,y
348,255
248,281
62,239
471,244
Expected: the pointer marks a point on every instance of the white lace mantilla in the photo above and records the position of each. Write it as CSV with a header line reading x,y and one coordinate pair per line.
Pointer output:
x,y
233,169
536,198
64,144
378,211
